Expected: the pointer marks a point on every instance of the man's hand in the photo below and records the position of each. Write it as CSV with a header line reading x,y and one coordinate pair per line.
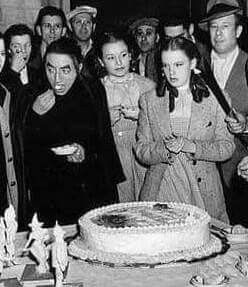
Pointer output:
x,y
17,62
243,168
236,124
78,155
44,102
115,114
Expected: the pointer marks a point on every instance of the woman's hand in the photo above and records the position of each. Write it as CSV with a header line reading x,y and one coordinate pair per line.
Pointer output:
x,y
177,144
44,102
242,169
78,155
131,113
173,143
115,114
236,123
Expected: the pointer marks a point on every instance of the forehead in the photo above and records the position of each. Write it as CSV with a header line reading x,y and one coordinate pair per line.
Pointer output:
x,y
59,60
81,16
174,30
173,56
52,19
115,47
20,39
226,19
144,28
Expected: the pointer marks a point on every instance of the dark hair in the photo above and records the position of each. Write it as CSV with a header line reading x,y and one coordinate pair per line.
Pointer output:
x,y
170,21
68,47
50,11
198,87
112,36
17,30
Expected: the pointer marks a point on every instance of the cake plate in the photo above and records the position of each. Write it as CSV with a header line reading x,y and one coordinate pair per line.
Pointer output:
x,y
79,250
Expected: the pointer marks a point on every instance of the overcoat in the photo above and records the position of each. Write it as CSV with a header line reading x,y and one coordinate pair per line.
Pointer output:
x,y
213,144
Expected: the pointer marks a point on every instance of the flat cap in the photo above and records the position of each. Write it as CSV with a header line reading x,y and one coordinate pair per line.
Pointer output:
x,y
82,9
153,22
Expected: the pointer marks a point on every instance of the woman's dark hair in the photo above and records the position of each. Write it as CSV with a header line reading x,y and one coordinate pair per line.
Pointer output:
x,y
111,36
68,47
198,87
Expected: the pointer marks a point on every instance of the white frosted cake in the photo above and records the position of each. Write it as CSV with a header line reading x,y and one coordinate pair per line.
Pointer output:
x,y
144,230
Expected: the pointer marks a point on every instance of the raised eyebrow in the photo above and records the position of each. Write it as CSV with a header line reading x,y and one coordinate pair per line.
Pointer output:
x,y
49,65
65,67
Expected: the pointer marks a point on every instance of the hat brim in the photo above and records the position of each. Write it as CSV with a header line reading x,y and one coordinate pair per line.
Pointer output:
x,y
204,22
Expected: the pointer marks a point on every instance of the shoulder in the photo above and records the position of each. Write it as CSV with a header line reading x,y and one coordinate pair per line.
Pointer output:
x,y
146,85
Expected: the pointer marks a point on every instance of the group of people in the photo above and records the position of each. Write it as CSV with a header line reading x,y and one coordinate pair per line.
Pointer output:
x,y
128,115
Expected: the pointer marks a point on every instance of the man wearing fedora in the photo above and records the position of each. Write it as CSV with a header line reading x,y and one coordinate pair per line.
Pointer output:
x,y
145,33
82,23
224,22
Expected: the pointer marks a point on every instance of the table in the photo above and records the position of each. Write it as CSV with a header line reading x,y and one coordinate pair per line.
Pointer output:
x,y
101,276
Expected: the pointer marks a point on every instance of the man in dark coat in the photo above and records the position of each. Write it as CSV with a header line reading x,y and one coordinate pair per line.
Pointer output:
x,y
72,160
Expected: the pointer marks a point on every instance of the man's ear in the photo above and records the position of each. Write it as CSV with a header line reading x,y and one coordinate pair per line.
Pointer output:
x,y
94,27
63,31
191,28
38,30
239,30
80,67
157,38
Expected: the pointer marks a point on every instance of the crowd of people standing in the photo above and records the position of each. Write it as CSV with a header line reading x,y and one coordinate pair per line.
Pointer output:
x,y
127,114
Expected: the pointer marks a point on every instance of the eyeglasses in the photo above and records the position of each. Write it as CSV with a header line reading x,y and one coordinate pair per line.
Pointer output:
x,y
55,27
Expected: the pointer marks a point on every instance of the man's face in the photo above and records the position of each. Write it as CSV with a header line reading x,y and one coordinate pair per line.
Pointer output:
x,y
82,26
224,34
51,29
61,72
175,31
146,37
20,45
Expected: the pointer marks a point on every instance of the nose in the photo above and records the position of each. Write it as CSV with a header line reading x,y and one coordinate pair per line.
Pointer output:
x,y
57,77
118,61
218,31
171,71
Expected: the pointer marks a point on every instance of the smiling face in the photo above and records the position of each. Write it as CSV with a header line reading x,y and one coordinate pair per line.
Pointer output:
x,y
21,45
2,54
146,37
177,67
61,72
116,58
224,34
82,26
51,29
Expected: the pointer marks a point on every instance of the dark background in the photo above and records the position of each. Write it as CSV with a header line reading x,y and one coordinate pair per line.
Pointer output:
x,y
119,11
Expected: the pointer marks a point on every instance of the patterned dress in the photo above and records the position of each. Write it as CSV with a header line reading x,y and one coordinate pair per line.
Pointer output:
x,y
125,92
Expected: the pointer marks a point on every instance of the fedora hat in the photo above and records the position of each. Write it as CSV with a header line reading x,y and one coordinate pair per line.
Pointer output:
x,y
218,9
153,22
92,11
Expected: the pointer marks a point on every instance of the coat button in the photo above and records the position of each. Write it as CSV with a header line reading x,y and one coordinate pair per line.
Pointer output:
x,y
10,159
198,179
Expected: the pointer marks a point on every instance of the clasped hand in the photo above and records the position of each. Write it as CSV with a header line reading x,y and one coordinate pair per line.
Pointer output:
x,y
236,122
44,102
116,112
176,144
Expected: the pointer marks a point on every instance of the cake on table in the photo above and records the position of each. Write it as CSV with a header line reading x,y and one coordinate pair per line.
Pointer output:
x,y
144,232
